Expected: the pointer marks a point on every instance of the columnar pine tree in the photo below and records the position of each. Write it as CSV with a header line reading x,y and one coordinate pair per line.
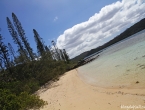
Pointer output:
x,y
4,55
66,55
1,66
56,51
22,35
51,52
1,61
16,39
48,52
11,50
39,43
62,55
47,49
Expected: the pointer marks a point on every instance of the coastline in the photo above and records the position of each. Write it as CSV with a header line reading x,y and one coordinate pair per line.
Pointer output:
x,y
121,66
70,92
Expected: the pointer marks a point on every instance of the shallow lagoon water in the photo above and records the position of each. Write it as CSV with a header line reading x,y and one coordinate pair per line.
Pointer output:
x,y
118,66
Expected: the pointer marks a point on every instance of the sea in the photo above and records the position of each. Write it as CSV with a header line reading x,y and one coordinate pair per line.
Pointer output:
x,y
121,65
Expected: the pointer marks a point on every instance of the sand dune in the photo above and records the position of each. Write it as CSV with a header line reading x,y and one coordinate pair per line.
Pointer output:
x,y
72,93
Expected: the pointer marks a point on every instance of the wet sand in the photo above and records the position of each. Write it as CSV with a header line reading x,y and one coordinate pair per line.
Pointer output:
x,y
70,92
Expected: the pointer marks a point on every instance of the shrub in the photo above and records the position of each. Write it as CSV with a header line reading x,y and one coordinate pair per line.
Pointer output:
x,y
24,101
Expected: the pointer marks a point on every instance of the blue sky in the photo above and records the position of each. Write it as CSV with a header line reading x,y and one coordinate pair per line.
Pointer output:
x,y
75,25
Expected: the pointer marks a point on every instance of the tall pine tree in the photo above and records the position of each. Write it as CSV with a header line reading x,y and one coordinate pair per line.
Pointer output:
x,y
51,52
1,66
4,55
11,50
62,55
39,43
66,56
56,51
16,39
48,52
22,35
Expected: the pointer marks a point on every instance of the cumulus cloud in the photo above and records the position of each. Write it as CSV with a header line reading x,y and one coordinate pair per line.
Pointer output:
x,y
103,26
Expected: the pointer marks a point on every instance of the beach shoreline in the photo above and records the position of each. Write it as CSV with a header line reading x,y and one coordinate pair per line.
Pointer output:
x,y
121,65
71,92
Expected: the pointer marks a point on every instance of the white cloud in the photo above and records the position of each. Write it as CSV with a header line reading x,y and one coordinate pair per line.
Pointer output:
x,y
103,26
55,19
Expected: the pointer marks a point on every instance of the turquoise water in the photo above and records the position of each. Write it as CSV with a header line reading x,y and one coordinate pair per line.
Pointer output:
x,y
120,65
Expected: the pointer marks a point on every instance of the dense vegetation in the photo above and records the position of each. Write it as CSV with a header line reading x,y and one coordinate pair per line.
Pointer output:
x,y
128,32
23,72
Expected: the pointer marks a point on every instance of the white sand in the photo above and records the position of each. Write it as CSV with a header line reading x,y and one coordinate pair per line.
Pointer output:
x,y
115,74
71,93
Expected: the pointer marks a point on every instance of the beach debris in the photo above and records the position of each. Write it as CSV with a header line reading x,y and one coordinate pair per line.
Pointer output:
x,y
136,58
109,103
137,82
117,65
128,70
141,66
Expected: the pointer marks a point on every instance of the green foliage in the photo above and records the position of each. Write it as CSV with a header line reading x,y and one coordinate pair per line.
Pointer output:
x,y
66,56
16,38
4,54
8,101
39,43
24,75
23,101
28,78
23,37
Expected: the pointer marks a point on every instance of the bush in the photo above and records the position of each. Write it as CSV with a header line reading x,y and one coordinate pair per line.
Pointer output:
x,y
26,79
24,101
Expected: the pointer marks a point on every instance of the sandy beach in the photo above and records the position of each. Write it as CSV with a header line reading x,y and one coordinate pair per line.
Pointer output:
x,y
71,92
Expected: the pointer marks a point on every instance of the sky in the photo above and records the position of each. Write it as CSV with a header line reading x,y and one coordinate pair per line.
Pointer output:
x,y
76,26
